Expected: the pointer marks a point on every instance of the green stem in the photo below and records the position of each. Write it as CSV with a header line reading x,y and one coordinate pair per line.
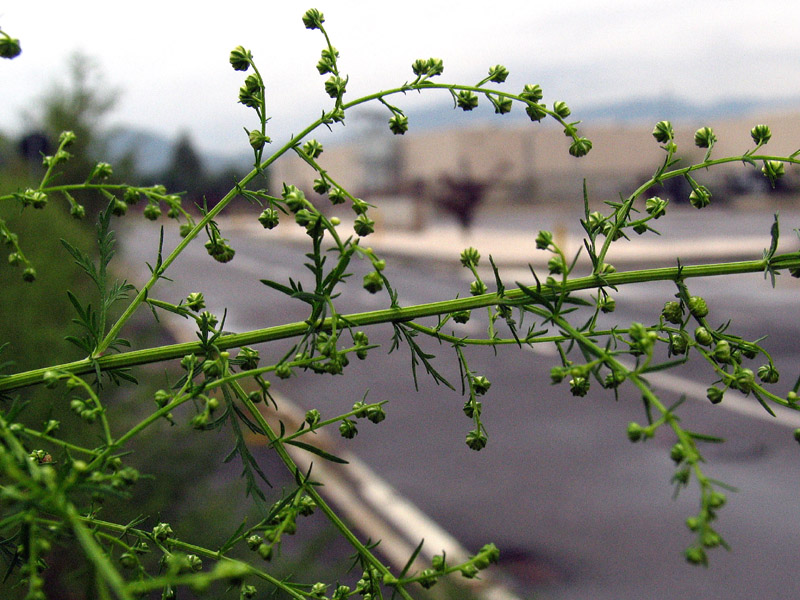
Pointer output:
x,y
510,297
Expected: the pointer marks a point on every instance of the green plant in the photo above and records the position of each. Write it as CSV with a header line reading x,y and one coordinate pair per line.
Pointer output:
x,y
51,487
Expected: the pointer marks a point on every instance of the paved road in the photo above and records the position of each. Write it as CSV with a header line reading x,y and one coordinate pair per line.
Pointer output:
x,y
578,511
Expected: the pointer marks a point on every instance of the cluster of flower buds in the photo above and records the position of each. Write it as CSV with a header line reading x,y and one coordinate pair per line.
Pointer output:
x,y
9,47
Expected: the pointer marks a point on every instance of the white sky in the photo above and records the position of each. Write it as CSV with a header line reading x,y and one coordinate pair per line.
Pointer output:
x,y
170,58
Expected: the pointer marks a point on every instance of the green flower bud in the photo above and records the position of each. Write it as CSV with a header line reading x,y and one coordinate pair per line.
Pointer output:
x,y
240,59
773,170
635,432
768,373
29,275
461,316
428,578
502,105
312,148
435,67
791,397
580,147
14,259
703,336
420,67
162,398
162,531
466,100
579,386
398,124
269,218
363,225
722,351
295,199
535,111
476,288
341,592
128,560
498,74
672,312
348,429
663,132
745,379
373,282
131,196
700,197
698,307
543,240
337,196
376,414
9,47
678,344
219,250
531,92
655,207
283,371
717,500
152,212
195,301
257,139
264,551
313,19
607,304
760,134
704,137
470,257
248,357
327,62
335,86
695,555
561,109
102,170
77,211
480,385
248,591
469,571
796,435
476,440
118,208
714,395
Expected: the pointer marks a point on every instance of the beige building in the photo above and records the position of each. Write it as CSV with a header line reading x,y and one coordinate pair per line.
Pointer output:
x,y
529,162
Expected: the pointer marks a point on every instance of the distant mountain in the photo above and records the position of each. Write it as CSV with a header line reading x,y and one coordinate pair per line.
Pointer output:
x,y
151,152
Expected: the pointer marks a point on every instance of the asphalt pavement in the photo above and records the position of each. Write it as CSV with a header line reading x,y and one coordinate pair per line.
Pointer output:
x,y
577,510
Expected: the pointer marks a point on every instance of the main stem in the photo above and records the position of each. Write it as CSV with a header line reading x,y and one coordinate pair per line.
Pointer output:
x,y
509,298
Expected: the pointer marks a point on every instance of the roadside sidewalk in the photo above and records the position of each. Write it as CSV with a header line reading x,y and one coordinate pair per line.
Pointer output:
x,y
513,247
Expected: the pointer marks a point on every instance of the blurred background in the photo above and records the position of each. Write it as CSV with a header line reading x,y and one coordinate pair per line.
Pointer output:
x,y
577,511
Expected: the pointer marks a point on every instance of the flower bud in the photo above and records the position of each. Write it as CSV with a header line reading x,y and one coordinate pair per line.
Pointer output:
x,y
579,386
376,414
498,74
373,282
535,111
480,385
363,225
635,432
791,397
607,304
703,336
420,67
240,58
313,19
312,148
745,379
698,307
398,124
162,531
466,100
714,395
476,288
678,344
77,211
722,351
470,257
773,170
655,207
531,92
704,137
672,312
435,67
348,429
118,208
29,275
257,139
768,373
760,134
461,316
152,212
663,132
335,86
269,218
695,555
543,240
502,105
561,109
700,197
580,147
9,47
476,440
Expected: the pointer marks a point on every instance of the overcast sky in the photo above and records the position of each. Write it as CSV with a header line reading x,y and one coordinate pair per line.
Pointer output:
x,y
169,59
